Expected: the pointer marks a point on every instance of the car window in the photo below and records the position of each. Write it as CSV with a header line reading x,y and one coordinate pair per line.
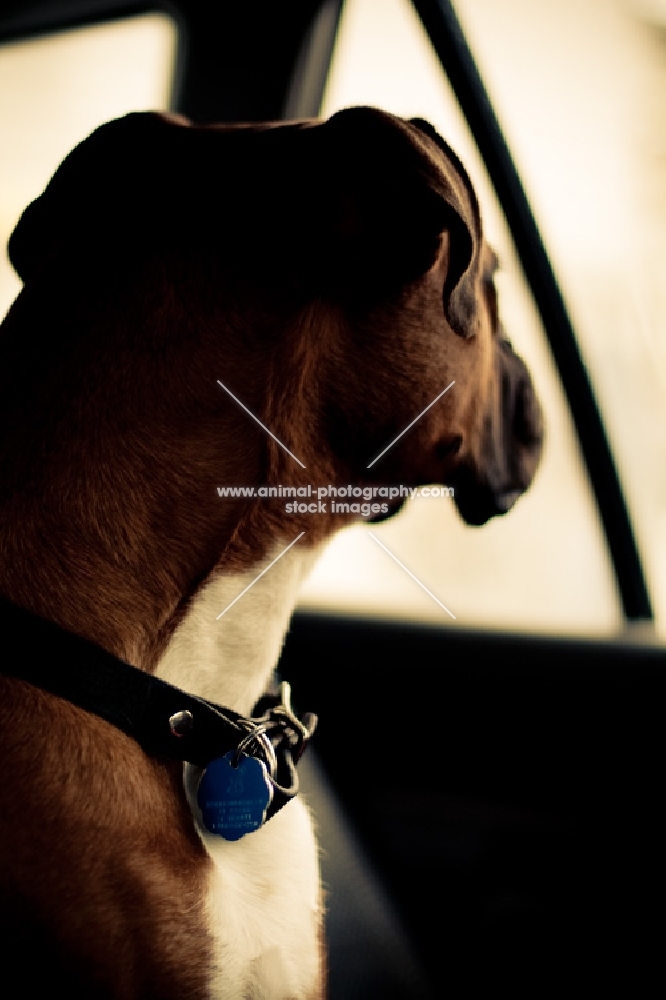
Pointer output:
x,y
543,567
582,100
55,90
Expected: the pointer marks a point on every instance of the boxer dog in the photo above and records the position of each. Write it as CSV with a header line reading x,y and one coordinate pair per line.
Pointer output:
x,y
205,306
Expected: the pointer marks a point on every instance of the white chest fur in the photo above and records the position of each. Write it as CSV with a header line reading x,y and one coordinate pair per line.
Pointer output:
x,y
263,902
230,660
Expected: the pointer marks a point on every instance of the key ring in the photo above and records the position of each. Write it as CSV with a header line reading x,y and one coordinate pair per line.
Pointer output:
x,y
259,735
295,731
293,737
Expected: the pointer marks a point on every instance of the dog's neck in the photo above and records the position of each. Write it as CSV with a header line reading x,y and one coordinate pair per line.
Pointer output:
x,y
230,659
112,527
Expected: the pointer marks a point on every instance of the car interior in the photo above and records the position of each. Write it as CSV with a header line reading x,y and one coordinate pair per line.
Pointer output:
x,y
486,789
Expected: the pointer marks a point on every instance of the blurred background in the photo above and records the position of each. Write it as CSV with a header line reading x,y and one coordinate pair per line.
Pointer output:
x,y
580,92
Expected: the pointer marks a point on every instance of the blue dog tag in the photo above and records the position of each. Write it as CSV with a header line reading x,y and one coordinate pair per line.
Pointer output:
x,y
234,800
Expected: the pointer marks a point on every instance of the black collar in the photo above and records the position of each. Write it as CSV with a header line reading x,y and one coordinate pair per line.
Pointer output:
x,y
164,720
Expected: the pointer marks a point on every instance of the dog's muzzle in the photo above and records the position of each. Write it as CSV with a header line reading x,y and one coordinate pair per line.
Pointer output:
x,y
489,482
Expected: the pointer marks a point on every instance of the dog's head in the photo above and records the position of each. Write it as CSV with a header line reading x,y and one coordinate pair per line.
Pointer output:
x,y
419,278
370,216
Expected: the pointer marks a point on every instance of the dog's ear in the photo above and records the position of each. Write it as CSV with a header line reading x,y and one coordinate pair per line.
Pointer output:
x,y
84,209
461,288
383,220
392,194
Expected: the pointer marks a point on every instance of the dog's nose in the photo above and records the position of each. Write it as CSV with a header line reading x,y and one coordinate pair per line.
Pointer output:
x,y
489,480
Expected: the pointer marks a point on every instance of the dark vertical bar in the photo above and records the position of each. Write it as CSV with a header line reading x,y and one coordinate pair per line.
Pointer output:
x,y
306,90
443,27
240,57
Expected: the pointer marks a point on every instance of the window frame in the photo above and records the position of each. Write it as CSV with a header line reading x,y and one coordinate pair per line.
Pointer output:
x,y
445,32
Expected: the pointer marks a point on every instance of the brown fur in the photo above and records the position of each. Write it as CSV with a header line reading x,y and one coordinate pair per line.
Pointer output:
x,y
335,277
